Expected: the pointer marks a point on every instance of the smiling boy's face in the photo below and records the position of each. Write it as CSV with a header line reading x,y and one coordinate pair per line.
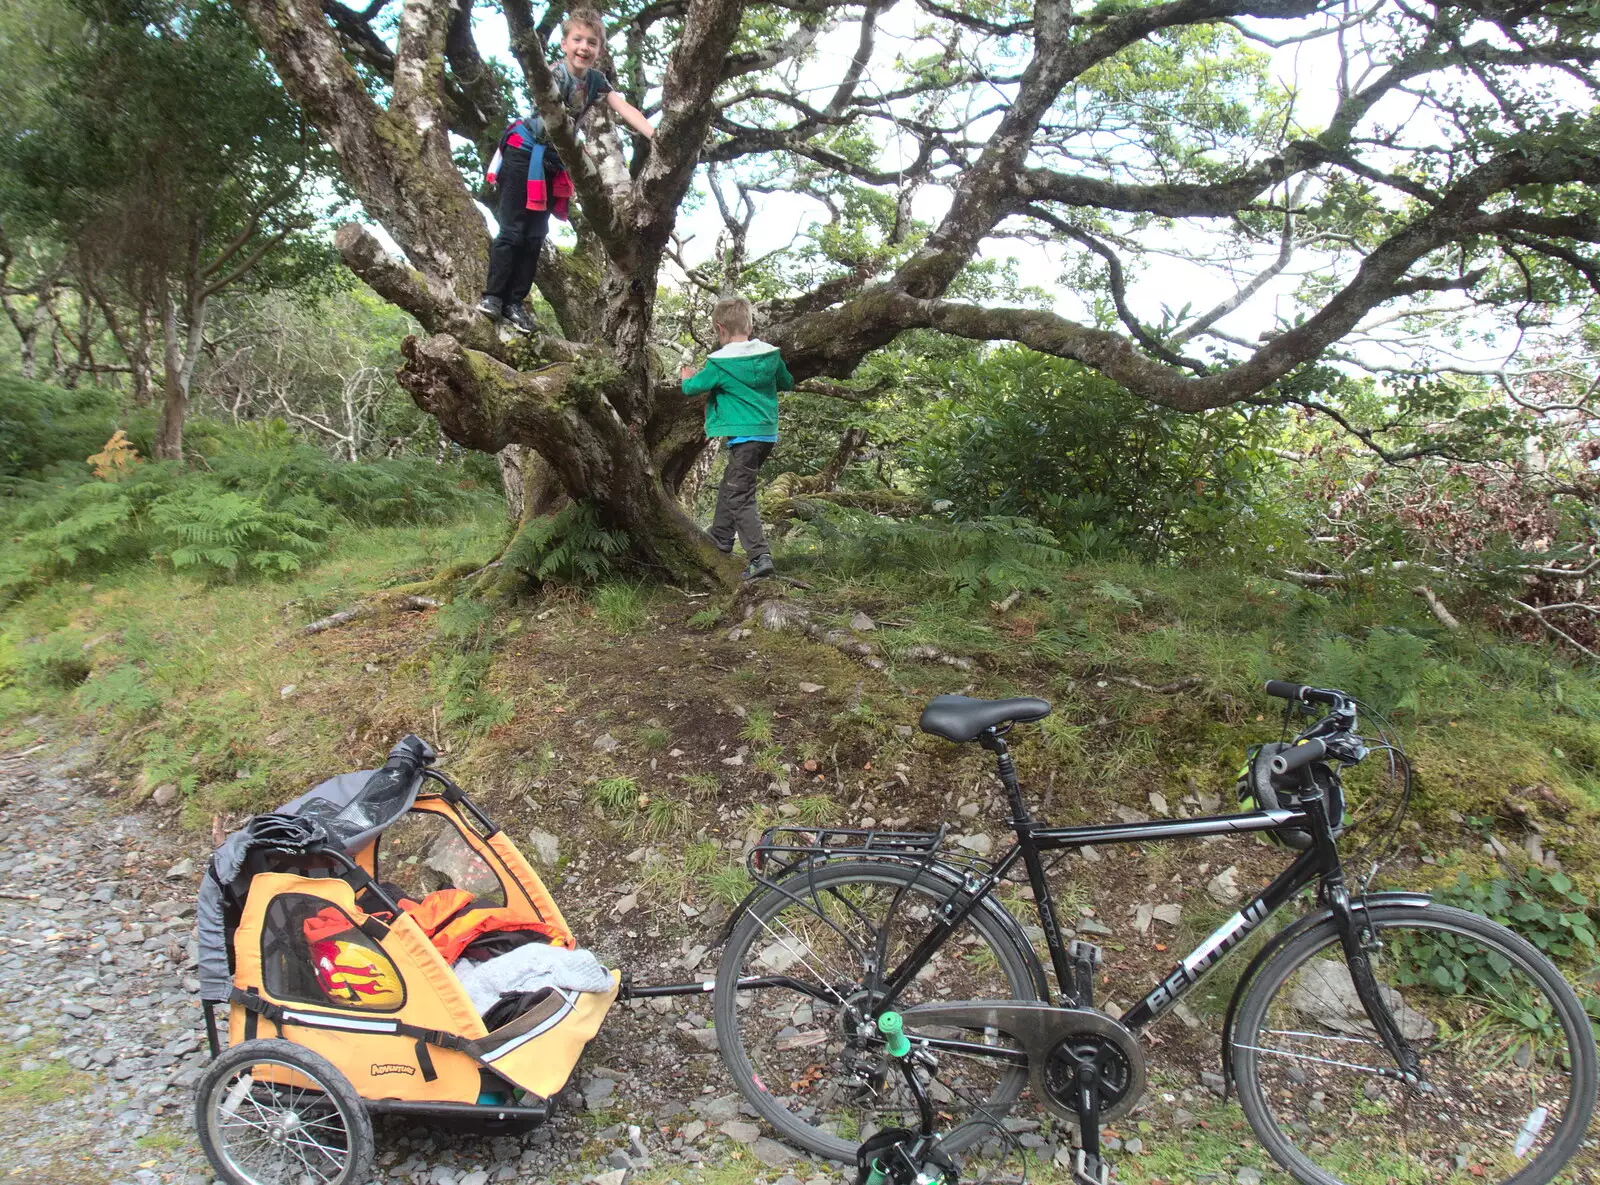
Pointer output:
x,y
580,46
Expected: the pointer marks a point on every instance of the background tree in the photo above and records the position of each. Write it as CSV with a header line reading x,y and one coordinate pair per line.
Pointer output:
x,y
1447,163
162,152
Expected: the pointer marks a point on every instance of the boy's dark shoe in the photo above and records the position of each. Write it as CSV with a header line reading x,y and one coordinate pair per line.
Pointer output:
x,y
760,567
520,319
491,306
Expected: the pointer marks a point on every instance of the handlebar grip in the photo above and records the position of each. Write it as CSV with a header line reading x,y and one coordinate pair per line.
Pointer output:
x,y
1298,757
1299,691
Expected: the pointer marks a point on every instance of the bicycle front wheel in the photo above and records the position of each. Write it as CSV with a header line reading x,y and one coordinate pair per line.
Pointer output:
x,y
802,1049
1508,1057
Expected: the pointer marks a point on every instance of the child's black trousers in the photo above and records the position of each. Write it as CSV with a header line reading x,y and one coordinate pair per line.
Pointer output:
x,y
514,254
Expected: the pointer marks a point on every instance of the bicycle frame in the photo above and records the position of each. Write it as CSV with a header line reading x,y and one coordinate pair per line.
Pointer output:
x,y
1319,864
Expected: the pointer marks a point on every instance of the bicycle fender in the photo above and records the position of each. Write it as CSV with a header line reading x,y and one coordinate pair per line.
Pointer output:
x,y
1281,939
948,875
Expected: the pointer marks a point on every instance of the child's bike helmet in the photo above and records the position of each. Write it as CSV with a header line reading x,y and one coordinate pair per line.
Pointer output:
x,y
1258,787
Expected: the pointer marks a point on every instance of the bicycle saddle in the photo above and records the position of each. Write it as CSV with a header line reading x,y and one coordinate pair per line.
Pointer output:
x,y
962,718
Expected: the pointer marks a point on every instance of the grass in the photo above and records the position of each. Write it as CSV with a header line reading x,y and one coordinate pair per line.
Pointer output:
x,y
701,785
177,667
661,816
816,810
702,857
163,1142
617,794
621,608
728,884
757,727
655,739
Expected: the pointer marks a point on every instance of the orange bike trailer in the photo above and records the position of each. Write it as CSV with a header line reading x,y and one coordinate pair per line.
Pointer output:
x,y
333,930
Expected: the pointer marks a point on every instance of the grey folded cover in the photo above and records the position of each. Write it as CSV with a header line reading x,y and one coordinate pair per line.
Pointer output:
x,y
529,968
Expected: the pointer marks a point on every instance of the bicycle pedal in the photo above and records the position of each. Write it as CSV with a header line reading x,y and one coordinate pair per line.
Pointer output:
x,y
1083,1173
1079,949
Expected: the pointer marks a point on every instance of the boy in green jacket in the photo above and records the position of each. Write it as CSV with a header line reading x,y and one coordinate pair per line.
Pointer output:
x,y
742,381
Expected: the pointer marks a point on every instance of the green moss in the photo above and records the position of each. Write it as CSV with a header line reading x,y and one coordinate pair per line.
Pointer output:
x,y
48,1082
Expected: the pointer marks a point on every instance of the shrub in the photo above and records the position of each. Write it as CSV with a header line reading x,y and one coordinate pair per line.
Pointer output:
x,y
41,425
1021,434
968,559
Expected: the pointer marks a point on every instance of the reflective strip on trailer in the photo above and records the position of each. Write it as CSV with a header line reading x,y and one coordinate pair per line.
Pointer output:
x,y
322,1020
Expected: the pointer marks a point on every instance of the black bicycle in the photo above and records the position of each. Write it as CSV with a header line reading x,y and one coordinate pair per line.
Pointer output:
x,y
1378,1037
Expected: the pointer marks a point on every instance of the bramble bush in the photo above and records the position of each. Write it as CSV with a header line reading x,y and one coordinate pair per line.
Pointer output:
x,y
1543,906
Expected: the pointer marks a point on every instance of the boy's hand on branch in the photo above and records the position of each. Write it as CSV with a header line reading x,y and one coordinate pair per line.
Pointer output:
x,y
686,371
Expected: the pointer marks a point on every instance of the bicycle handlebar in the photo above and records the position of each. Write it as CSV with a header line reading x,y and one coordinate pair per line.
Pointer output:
x,y
1298,691
1300,756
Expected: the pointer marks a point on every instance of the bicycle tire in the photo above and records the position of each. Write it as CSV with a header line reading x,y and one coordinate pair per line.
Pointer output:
x,y
735,1032
350,1143
1484,1068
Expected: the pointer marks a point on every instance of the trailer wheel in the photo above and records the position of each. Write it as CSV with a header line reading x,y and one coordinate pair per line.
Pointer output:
x,y
275,1113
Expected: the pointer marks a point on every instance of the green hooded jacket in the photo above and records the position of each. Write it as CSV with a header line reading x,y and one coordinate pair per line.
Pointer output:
x,y
742,380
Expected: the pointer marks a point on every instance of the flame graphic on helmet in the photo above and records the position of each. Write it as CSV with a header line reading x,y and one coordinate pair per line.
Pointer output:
x,y
348,970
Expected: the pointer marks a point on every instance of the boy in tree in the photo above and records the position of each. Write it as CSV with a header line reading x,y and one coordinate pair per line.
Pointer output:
x,y
533,183
741,382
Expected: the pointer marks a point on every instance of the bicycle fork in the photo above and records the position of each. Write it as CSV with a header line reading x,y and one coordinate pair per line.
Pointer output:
x,y
1357,939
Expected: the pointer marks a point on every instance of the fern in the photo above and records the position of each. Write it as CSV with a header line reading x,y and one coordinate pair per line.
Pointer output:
x,y
123,692
214,530
570,546
463,683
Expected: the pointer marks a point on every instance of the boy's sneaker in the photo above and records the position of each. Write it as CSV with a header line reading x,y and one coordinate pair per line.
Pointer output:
x,y
520,319
491,307
760,567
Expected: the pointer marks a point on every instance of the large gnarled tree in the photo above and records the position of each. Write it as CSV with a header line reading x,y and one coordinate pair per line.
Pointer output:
x,y
1446,172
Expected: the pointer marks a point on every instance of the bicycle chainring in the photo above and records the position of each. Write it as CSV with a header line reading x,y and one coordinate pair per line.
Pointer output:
x,y
1122,1073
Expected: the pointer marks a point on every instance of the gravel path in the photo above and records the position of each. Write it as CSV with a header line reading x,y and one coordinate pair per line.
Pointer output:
x,y
100,1030
101,1037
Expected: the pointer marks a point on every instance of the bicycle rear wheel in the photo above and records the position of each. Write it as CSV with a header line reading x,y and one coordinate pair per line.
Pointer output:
x,y
1508,1057
802,1052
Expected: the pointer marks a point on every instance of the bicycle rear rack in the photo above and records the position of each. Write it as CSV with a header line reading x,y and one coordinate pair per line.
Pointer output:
x,y
783,850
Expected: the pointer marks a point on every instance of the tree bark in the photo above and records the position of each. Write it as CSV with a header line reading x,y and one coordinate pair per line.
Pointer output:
x,y
180,354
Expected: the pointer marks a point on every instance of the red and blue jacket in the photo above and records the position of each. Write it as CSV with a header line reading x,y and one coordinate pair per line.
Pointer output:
x,y
528,134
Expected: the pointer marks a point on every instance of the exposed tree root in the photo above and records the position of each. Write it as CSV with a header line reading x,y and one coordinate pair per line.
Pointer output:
x,y
367,608
780,616
1177,685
